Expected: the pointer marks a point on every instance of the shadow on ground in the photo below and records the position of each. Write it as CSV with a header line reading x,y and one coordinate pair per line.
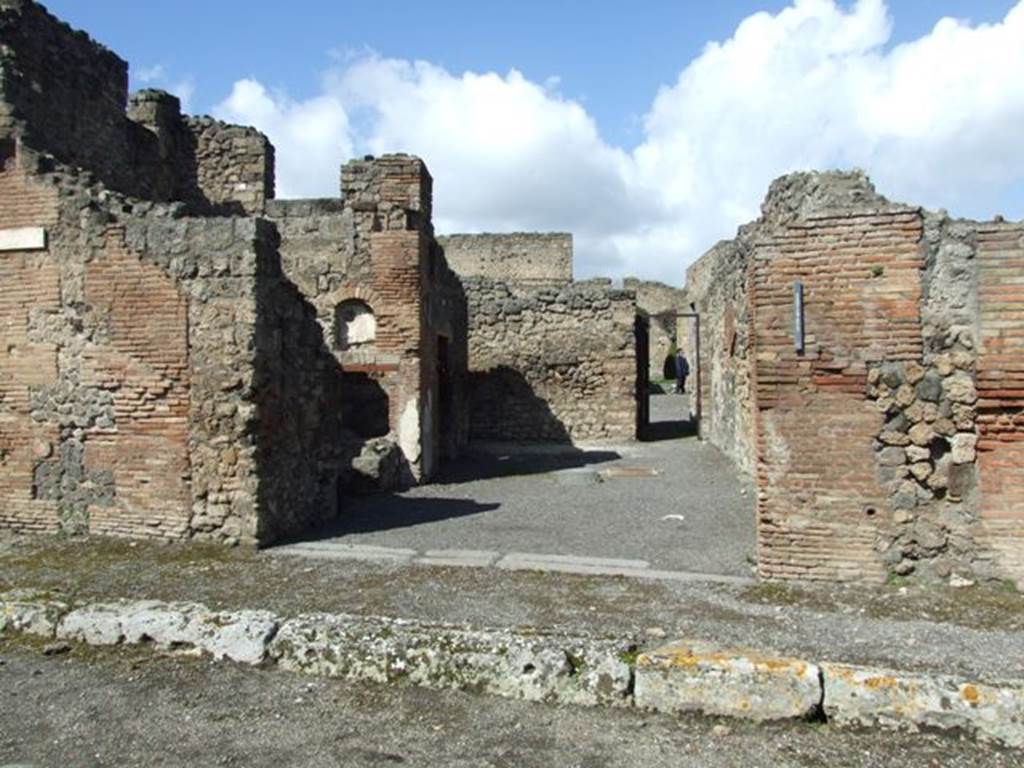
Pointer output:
x,y
515,460
668,430
665,406
390,511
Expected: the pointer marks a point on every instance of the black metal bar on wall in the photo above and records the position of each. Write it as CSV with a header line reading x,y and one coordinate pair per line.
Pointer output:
x,y
798,317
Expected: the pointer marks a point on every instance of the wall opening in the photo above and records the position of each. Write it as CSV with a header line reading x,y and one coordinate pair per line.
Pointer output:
x,y
366,409
355,325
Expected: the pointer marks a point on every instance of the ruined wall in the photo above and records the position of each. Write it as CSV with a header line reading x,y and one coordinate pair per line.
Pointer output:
x,y
64,94
716,289
375,246
234,167
65,91
551,363
875,455
660,302
139,422
519,256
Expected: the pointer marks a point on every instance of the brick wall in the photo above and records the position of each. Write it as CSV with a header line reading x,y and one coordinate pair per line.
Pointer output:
x,y
820,500
128,404
29,293
1000,379
535,256
137,363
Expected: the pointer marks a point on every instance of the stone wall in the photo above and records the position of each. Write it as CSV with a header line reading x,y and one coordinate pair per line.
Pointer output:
x,y
64,94
234,166
68,90
555,363
519,256
716,289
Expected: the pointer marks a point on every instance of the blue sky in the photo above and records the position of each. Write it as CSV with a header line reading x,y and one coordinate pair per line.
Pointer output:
x,y
322,78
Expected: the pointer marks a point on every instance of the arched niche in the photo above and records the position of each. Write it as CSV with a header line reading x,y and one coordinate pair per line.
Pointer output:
x,y
355,325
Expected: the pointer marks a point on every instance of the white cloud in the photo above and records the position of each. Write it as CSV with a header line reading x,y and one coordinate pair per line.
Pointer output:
x,y
935,121
311,137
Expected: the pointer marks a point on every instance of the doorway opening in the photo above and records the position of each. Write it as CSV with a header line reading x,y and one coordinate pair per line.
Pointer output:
x,y
668,376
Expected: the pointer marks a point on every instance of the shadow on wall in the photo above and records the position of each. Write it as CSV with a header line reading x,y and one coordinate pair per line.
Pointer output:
x,y
366,406
504,407
305,452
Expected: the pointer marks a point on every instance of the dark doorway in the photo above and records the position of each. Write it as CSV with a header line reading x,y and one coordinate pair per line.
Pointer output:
x,y
366,407
445,393
642,331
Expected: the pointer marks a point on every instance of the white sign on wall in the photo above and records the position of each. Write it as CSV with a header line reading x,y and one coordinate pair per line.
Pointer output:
x,y
23,239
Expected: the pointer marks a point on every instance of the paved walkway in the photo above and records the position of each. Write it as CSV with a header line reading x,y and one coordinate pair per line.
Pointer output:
x,y
667,507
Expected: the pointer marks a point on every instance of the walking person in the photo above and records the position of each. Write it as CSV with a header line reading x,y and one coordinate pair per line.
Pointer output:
x,y
682,371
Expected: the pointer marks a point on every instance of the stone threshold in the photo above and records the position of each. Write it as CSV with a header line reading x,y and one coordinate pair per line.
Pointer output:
x,y
537,665
511,561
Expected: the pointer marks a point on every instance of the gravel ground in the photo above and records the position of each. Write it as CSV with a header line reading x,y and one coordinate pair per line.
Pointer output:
x,y
562,501
90,708
974,632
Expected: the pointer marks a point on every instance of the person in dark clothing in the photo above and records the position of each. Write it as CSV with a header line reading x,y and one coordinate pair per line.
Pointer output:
x,y
682,371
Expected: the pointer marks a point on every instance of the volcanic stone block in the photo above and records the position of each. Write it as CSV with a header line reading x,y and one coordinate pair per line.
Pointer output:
x,y
697,677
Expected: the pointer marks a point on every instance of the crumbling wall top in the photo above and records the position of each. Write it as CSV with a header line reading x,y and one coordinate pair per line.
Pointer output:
x,y
806,194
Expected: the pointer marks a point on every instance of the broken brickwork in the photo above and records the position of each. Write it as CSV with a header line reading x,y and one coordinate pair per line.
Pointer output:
x,y
885,445
171,361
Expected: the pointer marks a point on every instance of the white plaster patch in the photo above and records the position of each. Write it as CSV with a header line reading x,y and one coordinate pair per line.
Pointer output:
x,y
409,432
23,239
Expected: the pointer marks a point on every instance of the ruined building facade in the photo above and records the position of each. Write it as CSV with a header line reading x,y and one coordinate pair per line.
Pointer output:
x,y
181,355
889,439
184,356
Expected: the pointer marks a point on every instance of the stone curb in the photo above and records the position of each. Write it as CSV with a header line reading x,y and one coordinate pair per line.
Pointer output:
x,y
554,668
698,677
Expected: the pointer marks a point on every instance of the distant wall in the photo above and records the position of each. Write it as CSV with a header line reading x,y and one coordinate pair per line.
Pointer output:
x,y
661,303
555,363
521,256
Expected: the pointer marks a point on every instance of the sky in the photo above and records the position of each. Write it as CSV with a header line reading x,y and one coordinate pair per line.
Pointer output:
x,y
649,130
